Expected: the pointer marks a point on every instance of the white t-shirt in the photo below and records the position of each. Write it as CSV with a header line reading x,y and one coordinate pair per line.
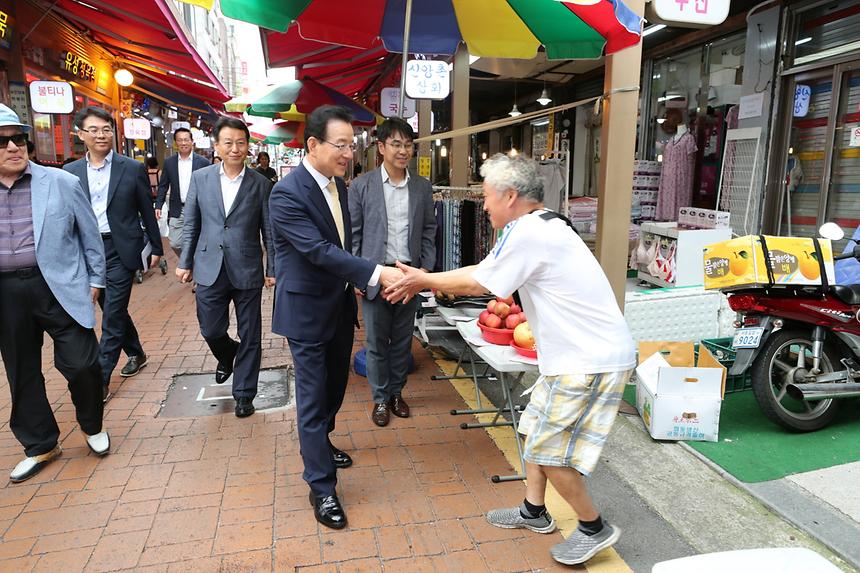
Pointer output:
x,y
570,306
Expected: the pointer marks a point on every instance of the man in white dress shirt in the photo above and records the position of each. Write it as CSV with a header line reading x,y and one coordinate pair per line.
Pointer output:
x,y
176,176
226,214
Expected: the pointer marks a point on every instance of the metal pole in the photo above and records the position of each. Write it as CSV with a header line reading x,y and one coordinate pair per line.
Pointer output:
x,y
407,24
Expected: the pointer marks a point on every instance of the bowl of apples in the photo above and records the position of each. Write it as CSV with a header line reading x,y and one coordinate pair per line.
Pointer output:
x,y
498,321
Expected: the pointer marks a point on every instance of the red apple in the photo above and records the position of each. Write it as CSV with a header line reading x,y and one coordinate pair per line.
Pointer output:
x,y
482,318
493,321
513,320
491,305
502,309
523,336
516,309
509,301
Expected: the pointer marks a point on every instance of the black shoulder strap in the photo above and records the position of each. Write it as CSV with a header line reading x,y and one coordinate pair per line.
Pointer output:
x,y
550,215
547,215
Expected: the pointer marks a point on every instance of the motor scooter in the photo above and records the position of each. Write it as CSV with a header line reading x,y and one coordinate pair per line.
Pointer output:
x,y
801,345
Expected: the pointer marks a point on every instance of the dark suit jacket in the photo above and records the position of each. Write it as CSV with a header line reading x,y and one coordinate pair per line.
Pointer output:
x,y
211,237
129,203
170,178
370,221
311,266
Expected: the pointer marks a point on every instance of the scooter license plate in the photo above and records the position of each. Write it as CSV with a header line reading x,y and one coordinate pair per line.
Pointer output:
x,y
747,338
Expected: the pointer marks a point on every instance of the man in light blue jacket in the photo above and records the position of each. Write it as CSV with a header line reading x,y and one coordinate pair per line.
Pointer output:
x,y
52,266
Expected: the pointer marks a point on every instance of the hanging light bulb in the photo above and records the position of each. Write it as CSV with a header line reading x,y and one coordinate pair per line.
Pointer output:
x,y
514,111
544,97
484,156
513,152
443,151
123,77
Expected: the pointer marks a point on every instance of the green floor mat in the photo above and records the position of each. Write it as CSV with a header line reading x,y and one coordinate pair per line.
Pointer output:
x,y
753,449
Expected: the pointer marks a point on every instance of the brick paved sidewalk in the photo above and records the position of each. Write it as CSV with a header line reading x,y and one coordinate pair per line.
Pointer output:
x,y
216,493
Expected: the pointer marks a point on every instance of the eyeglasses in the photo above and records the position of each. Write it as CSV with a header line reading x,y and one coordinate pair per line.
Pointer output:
x,y
19,139
95,132
342,147
397,145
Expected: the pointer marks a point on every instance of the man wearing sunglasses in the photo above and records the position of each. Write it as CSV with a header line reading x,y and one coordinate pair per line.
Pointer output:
x,y
52,267
119,192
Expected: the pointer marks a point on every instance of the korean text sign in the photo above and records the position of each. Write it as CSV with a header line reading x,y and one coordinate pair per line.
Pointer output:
x,y
427,79
51,97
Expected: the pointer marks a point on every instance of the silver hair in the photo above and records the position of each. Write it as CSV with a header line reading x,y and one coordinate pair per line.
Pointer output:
x,y
503,172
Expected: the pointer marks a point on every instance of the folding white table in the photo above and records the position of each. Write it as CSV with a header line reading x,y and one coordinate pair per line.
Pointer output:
x,y
507,364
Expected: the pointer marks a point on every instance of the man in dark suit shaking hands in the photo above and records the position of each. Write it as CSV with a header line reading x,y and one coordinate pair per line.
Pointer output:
x,y
315,306
119,193
226,213
176,176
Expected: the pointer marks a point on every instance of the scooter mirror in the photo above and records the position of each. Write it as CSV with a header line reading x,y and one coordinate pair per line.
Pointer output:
x,y
831,231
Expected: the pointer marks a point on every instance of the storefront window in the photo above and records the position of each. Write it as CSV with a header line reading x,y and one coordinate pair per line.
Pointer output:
x,y
696,91
827,31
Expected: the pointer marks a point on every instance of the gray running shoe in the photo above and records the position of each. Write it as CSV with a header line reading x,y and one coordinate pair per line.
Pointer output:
x,y
579,547
511,518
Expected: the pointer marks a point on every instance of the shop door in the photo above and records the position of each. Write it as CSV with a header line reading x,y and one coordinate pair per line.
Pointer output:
x,y
822,171
843,198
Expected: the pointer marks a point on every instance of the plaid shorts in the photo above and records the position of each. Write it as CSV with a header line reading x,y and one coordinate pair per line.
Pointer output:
x,y
569,417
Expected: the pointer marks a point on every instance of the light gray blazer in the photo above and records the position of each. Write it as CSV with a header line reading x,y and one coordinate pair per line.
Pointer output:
x,y
211,237
69,248
370,221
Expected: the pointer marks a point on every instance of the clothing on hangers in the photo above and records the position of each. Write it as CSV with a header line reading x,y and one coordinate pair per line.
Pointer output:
x,y
676,178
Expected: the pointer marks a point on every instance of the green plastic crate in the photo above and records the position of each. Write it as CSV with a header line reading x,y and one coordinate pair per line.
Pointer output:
x,y
722,350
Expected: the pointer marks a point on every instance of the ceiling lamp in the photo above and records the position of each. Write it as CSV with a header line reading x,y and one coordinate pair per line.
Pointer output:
x,y
123,77
544,97
514,111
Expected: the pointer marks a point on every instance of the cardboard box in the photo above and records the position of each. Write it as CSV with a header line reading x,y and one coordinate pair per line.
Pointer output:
x,y
739,262
678,397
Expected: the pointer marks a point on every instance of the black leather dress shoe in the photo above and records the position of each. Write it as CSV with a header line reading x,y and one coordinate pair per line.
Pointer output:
x,y
341,458
225,370
244,407
133,366
105,393
328,511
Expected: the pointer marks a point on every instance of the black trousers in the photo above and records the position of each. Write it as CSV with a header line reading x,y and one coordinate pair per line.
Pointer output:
x,y
28,309
213,314
118,331
322,371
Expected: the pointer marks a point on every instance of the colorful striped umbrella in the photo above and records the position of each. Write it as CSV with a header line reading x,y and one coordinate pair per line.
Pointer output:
x,y
490,28
290,133
291,100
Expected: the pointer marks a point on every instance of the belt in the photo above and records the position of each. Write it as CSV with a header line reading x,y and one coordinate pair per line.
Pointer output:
x,y
394,265
105,235
22,273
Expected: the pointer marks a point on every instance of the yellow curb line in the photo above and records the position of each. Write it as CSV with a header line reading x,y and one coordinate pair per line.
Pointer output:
x,y
604,562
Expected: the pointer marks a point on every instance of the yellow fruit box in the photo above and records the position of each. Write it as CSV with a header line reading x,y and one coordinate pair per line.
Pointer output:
x,y
740,263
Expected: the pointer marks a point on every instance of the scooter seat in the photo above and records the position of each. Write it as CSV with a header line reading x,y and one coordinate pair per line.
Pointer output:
x,y
849,294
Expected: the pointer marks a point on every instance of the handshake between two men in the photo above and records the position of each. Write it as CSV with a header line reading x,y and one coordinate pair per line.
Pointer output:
x,y
402,282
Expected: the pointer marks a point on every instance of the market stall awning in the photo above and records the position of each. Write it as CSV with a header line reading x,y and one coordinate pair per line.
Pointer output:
x,y
146,35
346,69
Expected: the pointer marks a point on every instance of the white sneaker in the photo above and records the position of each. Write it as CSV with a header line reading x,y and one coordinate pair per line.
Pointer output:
x,y
28,467
99,443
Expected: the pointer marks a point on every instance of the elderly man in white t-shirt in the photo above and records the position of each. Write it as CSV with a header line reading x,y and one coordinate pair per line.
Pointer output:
x,y
585,351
